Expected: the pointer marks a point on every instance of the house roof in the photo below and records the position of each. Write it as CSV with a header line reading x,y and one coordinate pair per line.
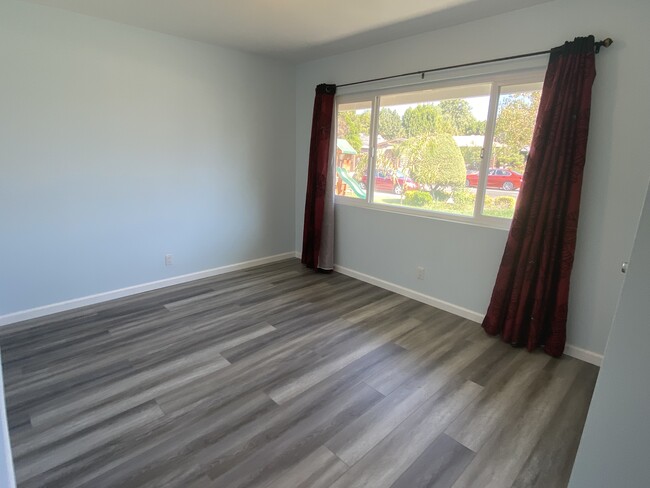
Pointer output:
x,y
381,142
473,141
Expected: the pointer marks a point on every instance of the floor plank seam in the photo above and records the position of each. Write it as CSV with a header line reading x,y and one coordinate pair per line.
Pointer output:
x,y
370,386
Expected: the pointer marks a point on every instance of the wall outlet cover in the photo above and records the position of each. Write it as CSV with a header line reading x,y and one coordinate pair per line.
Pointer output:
x,y
420,272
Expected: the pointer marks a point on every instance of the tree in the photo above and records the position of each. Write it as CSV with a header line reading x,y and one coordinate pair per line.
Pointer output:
x,y
472,156
361,168
436,161
458,113
424,119
477,127
514,128
351,125
364,121
390,124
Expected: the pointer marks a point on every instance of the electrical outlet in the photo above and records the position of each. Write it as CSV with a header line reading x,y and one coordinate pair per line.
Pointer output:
x,y
169,260
420,272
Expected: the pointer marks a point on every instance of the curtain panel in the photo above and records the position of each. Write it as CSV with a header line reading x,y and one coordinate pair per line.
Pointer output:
x,y
318,231
529,302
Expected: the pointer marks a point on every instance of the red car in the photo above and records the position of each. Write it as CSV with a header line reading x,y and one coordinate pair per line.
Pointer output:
x,y
505,179
396,182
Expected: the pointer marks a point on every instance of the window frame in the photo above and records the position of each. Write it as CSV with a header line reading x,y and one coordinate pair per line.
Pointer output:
x,y
497,80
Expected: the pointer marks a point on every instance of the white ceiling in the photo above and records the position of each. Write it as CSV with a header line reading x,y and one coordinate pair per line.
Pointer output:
x,y
296,30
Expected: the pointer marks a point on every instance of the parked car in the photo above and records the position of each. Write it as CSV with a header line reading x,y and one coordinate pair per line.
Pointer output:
x,y
396,182
505,179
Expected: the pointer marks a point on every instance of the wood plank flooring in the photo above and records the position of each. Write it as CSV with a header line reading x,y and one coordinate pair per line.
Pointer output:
x,y
277,377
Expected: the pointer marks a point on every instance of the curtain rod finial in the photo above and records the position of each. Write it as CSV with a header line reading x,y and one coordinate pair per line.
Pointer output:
x,y
604,43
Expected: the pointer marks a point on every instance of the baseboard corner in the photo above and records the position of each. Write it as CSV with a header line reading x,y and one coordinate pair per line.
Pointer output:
x,y
570,350
584,355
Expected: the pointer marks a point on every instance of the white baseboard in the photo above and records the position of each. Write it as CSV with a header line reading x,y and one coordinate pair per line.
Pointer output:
x,y
583,354
42,311
415,295
569,350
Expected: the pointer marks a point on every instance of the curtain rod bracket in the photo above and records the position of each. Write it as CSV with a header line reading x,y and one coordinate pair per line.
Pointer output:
x,y
604,43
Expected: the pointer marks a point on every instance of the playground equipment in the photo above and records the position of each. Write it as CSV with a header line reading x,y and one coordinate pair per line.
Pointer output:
x,y
351,182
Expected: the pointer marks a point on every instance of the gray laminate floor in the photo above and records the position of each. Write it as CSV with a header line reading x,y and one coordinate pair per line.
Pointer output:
x,y
277,377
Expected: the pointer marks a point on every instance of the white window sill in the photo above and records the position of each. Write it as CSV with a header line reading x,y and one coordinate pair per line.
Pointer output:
x,y
482,221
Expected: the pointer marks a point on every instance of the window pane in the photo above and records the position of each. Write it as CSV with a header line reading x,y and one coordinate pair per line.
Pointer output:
x,y
516,114
428,143
353,129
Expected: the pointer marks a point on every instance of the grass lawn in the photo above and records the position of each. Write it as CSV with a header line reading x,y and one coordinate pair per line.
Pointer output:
x,y
490,209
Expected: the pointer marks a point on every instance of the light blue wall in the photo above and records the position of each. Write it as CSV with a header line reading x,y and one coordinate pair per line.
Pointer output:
x,y
119,145
391,246
614,446
461,260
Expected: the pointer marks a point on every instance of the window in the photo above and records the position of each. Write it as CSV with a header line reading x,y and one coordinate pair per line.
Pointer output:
x,y
352,148
513,132
455,151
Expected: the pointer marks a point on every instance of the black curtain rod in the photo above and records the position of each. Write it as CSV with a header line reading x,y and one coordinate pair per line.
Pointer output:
x,y
604,43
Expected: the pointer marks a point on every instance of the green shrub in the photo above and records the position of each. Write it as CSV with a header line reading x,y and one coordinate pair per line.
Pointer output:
x,y
464,197
434,160
504,202
418,198
441,194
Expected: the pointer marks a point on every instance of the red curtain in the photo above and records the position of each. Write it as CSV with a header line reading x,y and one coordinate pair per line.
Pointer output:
x,y
319,153
530,298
